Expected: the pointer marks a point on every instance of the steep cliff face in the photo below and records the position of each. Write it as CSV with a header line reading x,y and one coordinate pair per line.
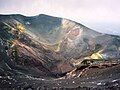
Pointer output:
x,y
50,45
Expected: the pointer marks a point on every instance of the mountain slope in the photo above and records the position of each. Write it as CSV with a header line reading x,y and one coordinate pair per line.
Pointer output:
x,y
48,47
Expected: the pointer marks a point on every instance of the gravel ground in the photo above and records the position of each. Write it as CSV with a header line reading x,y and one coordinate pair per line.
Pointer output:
x,y
94,79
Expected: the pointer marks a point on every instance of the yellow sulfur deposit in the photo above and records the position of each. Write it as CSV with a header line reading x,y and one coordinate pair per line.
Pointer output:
x,y
96,56
13,43
57,47
20,27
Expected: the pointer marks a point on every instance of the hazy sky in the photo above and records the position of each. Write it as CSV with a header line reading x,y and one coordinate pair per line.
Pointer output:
x,y
101,15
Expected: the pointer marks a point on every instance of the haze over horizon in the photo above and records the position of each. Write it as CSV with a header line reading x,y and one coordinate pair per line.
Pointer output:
x,y
100,15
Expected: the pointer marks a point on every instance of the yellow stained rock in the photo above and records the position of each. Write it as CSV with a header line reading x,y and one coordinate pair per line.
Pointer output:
x,y
96,56
20,27
57,47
